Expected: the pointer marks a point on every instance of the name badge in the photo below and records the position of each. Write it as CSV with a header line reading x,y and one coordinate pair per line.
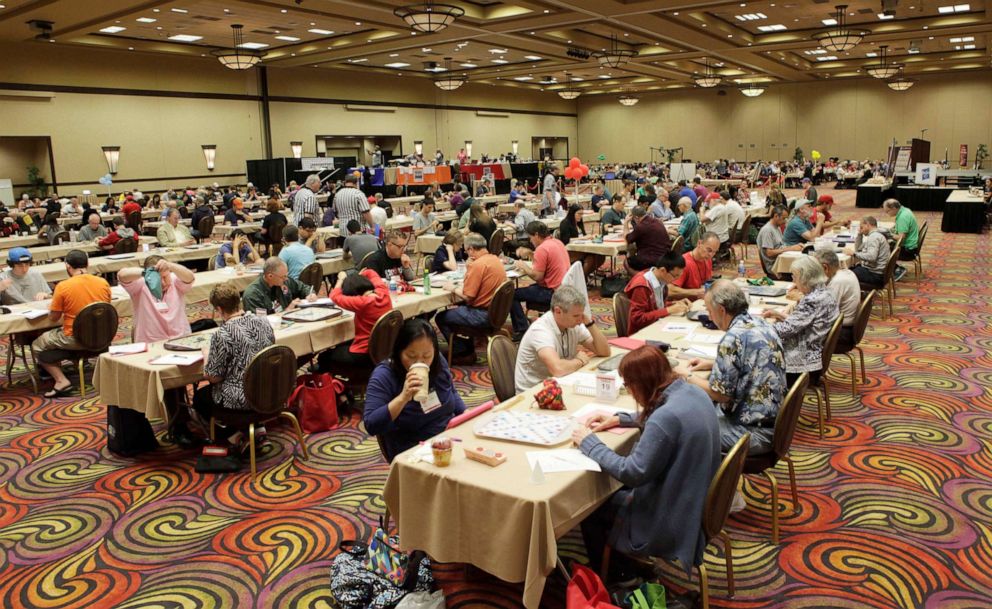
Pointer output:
x,y
161,306
431,404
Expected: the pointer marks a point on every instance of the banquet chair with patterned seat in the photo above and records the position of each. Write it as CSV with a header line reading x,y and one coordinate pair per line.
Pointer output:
x,y
502,356
918,256
857,334
716,509
499,310
785,429
621,313
269,381
381,339
820,382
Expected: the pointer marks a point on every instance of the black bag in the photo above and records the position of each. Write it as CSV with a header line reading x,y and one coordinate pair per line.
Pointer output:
x,y
353,586
128,432
612,285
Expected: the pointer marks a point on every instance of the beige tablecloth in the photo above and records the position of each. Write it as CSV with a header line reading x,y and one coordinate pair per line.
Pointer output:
x,y
44,253
55,271
785,260
607,248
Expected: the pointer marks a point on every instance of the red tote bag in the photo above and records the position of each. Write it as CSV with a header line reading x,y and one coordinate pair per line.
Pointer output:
x,y
586,590
316,395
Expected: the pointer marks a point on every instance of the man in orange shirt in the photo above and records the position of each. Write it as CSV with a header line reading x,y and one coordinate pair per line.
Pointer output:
x,y
550,266
698,268
71,296
484,276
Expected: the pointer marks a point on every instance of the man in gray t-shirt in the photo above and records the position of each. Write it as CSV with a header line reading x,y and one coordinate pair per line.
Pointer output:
x,y
770,240
359,244
22,283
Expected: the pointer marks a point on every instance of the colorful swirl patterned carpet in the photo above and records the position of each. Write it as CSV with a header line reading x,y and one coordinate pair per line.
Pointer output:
x,y
895,502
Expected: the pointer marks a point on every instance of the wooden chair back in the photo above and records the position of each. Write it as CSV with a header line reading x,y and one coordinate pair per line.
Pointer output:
x,y
678,244
313,276
275,237
830,345
428,262
206,227
621,313
502,356
496,242
744,232
923,236
270,378
720,494
864,313
96,326
383,335
788,417
127,245
890,265
499,308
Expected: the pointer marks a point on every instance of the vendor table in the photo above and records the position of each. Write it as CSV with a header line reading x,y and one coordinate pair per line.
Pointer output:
x,y
963,213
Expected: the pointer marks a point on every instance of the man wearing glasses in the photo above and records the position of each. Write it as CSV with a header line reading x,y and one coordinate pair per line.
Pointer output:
x,y
275,291
392,260
698,268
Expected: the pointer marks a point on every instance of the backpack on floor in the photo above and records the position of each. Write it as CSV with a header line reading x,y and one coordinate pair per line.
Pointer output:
x,y
128,432
612,285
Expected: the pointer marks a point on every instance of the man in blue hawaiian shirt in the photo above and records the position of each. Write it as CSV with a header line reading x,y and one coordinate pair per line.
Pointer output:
x,y
747,378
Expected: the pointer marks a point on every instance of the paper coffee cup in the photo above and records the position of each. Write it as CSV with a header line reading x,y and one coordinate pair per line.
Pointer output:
x,y
422,371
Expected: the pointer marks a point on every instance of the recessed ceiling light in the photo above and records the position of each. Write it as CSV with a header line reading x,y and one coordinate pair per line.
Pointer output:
x,y
827,58
778,27
253,45
829,22
815,52
524,78
146,20
129,48
283,11
155,10
185,38
873,54
497,51
394,54
500,61
956,8
288,38
321,32
884,17
426,49
113,29
359,60
468,65
751,17
178,10
969,47
397,64
358,23
604,76
533,57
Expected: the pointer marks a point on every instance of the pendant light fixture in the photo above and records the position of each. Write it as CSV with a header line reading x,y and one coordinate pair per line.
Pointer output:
x,y
752,89
569,92
614,56
450,82
429,17
238,58
883,69
841,37
709,78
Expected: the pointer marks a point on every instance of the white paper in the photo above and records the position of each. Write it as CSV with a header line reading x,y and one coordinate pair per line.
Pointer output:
x,y
512,274
678,326
584,383
704,351
561,460
118,292
317,302
699,338
576,278
127,349
177,359
33,313
592,407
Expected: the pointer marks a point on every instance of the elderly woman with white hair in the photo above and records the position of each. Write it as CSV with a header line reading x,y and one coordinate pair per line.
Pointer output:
x,y
804,330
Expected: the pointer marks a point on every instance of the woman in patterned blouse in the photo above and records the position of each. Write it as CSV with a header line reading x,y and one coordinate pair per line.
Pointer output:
x,y
804,330
232,348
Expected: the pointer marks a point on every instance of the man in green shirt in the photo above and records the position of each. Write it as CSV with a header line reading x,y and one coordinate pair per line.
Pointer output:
x,y
614,215
905,225
274,290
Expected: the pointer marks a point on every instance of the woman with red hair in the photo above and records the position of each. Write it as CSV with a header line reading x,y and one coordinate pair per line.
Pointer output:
x,y
659,510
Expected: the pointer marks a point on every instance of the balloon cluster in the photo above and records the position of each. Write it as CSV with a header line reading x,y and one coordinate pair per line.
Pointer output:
x,y
106,180
576,170
816,155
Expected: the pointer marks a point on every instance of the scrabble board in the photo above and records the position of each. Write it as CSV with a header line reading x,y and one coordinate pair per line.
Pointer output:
x,y
527,427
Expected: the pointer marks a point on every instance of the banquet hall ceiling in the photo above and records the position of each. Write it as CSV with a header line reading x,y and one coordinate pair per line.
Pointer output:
x,y
533,44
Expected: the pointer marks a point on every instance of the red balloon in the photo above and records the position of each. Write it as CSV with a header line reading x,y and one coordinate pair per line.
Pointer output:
x,y
585,169
570,173
574,162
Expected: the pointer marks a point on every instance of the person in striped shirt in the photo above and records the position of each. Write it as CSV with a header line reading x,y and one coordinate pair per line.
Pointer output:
x,y
305,200
351,204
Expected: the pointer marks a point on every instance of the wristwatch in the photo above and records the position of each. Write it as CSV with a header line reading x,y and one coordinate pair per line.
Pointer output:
x,y
590,324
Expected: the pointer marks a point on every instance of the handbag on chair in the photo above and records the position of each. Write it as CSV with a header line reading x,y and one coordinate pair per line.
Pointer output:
x,y
317,398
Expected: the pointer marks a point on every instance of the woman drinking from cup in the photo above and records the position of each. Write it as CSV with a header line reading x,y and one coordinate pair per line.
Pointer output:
x,y
659,510
410,396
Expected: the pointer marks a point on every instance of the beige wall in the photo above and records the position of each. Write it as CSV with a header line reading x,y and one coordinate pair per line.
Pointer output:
x,y
17,154
851,119
160,137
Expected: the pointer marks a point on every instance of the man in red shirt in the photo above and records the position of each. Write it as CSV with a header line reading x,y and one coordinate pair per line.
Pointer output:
x,y
698,268
130,206
550,265
648,291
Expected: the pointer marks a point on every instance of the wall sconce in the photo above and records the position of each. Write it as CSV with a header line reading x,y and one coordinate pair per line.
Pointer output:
x,y
209,153
468,148
112,154
297,149
516,145
418,148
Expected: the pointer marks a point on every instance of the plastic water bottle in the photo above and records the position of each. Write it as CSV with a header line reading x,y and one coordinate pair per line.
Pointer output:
x,y
145,247
392,285
73,235
740,269
427,283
